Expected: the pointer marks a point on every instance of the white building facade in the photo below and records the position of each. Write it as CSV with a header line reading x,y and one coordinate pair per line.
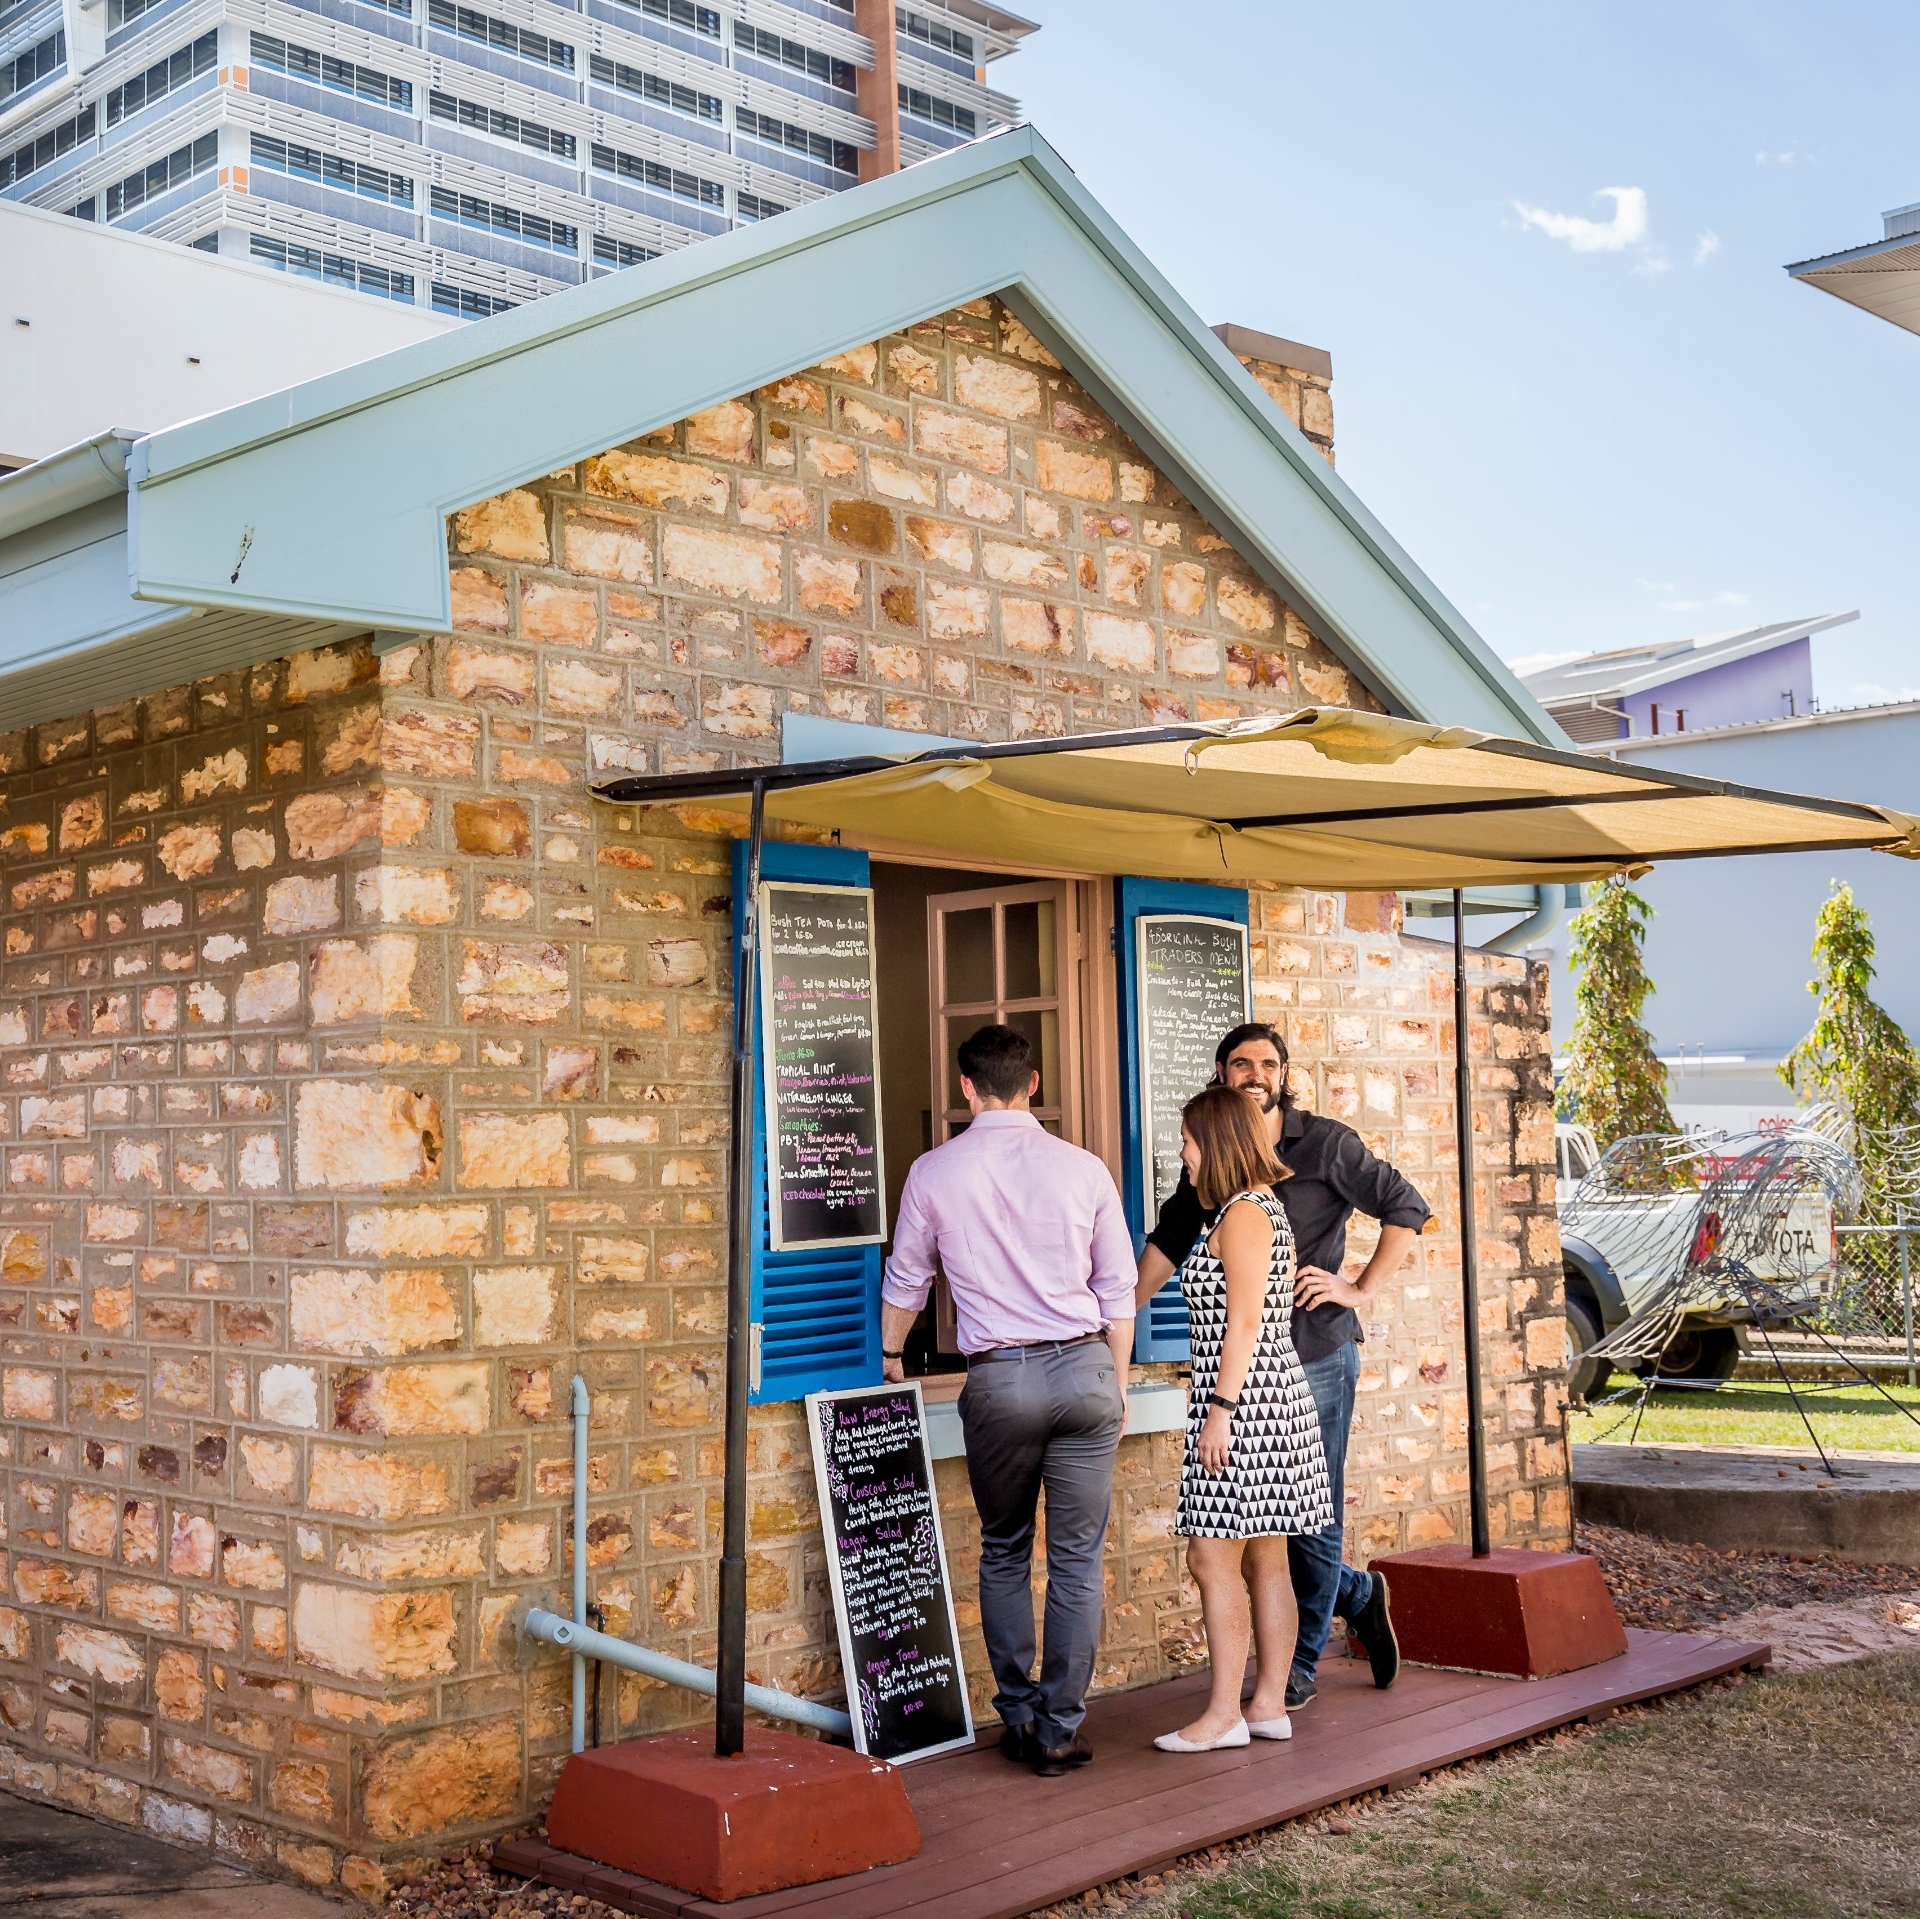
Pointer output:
x,y
470,155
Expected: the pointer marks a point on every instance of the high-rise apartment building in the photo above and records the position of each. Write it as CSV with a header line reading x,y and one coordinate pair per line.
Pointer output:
x,y
469,155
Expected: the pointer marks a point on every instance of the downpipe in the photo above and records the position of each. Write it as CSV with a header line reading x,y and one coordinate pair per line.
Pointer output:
x,y
577,1637
582,1409
585,1643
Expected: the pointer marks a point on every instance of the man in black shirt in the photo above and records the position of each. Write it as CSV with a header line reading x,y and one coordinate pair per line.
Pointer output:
x,y
1333,1177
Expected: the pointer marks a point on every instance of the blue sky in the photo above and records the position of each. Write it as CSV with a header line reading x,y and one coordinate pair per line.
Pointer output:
x,y
1588,438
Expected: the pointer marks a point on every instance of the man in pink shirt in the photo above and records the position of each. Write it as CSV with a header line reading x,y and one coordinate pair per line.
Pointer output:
x,y
1030,1234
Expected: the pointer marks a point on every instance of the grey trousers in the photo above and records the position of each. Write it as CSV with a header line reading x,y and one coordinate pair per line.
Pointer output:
x,y
1050,1418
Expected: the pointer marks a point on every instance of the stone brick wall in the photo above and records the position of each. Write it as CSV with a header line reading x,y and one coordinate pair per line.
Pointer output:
x,y
361,1079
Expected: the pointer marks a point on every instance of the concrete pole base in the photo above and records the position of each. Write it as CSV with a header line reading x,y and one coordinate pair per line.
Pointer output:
x,y
786,1812
1525,1614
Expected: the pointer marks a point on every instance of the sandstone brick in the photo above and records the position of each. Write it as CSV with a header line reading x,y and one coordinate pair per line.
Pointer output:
x,y
414,739
1063,468
421,1399
407,894
994,386
322,826
940,435
376,1485
735,566
827,585
373,1636
563,615
512,525
1119,644
479,600
356,1314
519,982
298,904
979,499
443,1780
774,505
651,480
515,1305
1243,605
358,1134
104,1656
508,1150
489,673
739,712
723,432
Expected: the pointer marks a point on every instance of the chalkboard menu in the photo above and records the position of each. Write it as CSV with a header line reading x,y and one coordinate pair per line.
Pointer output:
x,y
1193,989
899,1648
821,1046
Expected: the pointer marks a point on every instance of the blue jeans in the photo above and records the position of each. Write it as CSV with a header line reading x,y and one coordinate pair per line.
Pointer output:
x,y
1323,1583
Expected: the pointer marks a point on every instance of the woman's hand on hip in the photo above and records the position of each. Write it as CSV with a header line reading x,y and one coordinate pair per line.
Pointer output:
x,y
1216,1441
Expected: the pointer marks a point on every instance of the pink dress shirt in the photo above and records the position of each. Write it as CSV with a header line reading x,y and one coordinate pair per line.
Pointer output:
x,y
1028,1230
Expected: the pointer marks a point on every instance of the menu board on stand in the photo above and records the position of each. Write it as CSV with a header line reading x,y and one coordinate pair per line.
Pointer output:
x,y
899,1645
826,1186
1193,976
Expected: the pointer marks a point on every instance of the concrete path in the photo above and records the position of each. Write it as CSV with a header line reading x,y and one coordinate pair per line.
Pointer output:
x,y
1757,1498
60,1865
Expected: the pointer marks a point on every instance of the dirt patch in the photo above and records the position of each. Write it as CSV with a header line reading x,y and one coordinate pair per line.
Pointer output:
x,y
1671,1587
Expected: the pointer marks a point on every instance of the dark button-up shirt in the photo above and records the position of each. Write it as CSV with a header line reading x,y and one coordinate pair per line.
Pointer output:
x,y
1334,1177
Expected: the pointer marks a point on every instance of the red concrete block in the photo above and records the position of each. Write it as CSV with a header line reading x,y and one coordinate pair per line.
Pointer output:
x,y
786,1812
1528,1614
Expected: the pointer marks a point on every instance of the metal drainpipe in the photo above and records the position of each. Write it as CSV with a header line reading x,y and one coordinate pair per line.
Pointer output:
x,y
582,1407
1551,905
1469,1252
730,1709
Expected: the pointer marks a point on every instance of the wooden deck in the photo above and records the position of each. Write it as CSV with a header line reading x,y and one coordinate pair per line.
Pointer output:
x,y
998,1842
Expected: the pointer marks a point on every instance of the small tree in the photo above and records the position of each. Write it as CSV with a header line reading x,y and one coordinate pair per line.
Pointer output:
x,y
1857,1054
1615,1085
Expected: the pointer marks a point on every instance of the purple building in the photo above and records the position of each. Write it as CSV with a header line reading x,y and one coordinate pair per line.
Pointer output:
x,y
1684,686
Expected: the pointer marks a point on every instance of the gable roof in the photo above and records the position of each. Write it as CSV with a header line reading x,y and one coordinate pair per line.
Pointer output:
x,y
1642,669
322,510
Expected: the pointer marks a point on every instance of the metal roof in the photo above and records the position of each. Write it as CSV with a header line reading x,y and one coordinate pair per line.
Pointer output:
x,y
322,510
1882,277
1641,669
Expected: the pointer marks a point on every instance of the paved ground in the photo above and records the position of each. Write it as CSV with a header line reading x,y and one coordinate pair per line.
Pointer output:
x,y
58,1865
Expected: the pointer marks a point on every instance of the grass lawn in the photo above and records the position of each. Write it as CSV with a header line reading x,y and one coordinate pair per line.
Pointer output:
x,y
1785,1798
1849,1418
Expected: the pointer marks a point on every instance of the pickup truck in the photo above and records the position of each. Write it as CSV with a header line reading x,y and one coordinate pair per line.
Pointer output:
x,y
1624,1239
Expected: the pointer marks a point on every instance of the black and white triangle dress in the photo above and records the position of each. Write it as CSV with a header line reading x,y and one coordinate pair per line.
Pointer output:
x,y
1276,1477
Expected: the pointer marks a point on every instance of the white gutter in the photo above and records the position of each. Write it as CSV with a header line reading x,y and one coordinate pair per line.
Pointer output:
x,y
64,482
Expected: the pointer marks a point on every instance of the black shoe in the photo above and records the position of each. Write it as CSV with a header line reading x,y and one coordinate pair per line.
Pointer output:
x,y
1372,1625
1019,1744
1300,1691
1050,1762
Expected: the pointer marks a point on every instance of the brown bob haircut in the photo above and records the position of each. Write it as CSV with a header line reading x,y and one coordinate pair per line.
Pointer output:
x,y
1235,1154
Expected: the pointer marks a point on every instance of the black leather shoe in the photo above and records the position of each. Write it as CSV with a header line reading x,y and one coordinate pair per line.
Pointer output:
x,y
1372,1625
1300,1692
1019,1744
1050,1762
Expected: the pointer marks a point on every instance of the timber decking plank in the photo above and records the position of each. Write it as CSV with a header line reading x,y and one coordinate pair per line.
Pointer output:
x,y
1029,1844
999,1844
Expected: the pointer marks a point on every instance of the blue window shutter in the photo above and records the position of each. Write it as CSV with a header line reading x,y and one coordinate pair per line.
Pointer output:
x,y
1161,1331
818,1312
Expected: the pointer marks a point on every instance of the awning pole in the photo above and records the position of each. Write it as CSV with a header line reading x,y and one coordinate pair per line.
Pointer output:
x,y
1469,1260
730,1696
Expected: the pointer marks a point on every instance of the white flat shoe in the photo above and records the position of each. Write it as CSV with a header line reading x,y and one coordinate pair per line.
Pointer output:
x,y
1281,1728
1235,1735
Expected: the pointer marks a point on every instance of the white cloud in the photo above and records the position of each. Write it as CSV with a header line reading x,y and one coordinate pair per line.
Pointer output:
x,y
1627,228
1702,606
1872,693
1784,159
1705,247
1652,262
1659,586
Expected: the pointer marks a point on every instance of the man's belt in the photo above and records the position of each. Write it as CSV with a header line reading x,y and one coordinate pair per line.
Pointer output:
x,y
1035,1346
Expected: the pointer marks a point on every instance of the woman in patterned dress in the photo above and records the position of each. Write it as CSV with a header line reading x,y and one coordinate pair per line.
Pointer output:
x,y
1254,1469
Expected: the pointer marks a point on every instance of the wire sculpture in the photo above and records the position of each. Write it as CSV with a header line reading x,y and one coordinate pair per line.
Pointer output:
x,y
1736,1230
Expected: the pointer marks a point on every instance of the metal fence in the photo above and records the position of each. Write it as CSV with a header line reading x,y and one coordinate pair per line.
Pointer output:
x,y
1870,1313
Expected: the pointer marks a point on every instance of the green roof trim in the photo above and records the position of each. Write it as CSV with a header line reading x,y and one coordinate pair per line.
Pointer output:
x,y
327,503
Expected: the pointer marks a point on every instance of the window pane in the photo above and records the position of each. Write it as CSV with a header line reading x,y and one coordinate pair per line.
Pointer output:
x,y
969,939
1031,969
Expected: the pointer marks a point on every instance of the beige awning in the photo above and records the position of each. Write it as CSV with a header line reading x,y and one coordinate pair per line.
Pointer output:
x,y
1323,797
